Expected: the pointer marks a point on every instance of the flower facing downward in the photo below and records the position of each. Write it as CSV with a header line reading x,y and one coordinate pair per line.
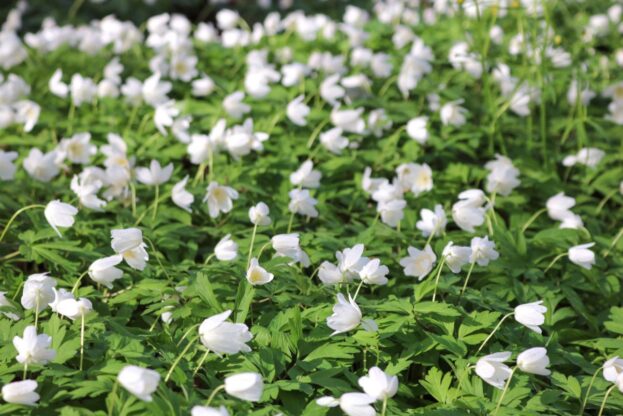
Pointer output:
x,y
374,273
483,251
38,291
139,381
301,202
103,271
419,262
582,256
181,197
21,392
306,176
259,214
531,315
208,411
33,348
257,275
245,386
224,337
129,243
357,404
456,256
74,309
60,214
346,315
432,222
297,111
379,384
219,199
226,249
613,368
534,361
491,368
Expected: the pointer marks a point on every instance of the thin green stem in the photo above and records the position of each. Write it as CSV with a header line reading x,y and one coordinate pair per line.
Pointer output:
x,y
75,287
213,394
494,331
113,397
81,340
290,223
508,382
178,359
25,371
469,273
614,242
443,261
558,257
357,291
603,403
19,211
384,409
251,246
153,247
203,358
36,312
532,219
588,391
153,217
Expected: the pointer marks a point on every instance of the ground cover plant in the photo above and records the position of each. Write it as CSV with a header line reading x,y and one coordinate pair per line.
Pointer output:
x,y
414,209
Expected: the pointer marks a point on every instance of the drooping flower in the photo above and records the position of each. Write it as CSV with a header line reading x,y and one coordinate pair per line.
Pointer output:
x,y
491,369
582,255
378,384
224,337
60,214
534,361
38,291
141,382
245,386
226,249
346,315
103,271
419,262
181,197
257,275
21,392
531,315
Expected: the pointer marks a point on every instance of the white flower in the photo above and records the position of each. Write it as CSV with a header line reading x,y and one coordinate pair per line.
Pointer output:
x,y
259,214
306,176
74,309
181,197
373,273
491,369
286,245
456,256
5,302
468,212
78,148
141,382
208,411
59,214
21,392
7,168
219,199
534,361
85,186
103,271
245,386
165,116
41,166
59,296
419,262
416,129
453,114
203,86
351,261
38,291
226,249
415,177
257,275
391,211
582,256
349,121
483,251
227,19
502,178
559,205
346,315
154,175
33,348
83,90
129,243
330,274
613,368
572,221
357,404
57,86
224,337
531,315
589,156
378,122
297,111
432,222
333,140
330,90
233,105
301,202
378,384
155,91
27,112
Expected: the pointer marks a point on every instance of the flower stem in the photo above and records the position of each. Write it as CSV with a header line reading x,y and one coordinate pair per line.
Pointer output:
x,y
19,211
494,331
205,355
357,291
588,391
178,359
25,371
81,340
384,409
153,217
558,257
290,223
532,219
36,312
251,246
207,260
508,382
614,242
443,261
113,397
73,289
603,403
469,273
213,394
